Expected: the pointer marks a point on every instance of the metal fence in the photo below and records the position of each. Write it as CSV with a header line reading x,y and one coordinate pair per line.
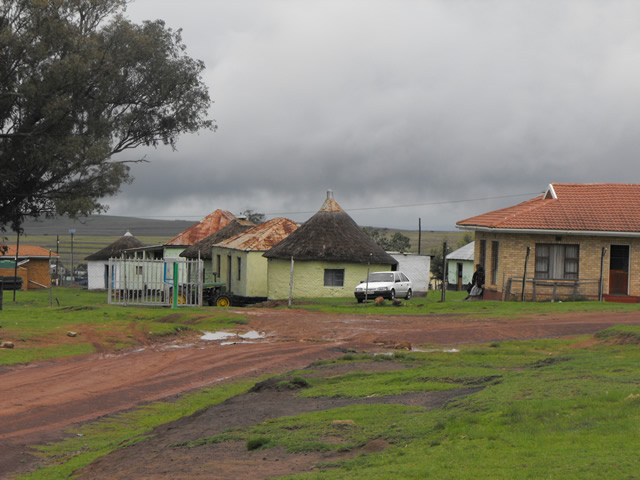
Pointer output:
x,y
536,289
168,282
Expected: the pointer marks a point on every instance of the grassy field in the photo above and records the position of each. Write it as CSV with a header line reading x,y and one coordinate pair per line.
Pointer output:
x,y
547,409
554,408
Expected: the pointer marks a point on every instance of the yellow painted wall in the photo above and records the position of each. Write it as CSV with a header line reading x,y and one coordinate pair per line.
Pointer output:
x,y
308,278
253,271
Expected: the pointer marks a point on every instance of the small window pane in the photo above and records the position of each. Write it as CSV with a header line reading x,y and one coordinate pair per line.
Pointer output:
x,y
334,277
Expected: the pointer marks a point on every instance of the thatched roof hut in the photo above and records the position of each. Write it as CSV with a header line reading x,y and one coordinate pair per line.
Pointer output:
x,y
116,248
331,235
203,247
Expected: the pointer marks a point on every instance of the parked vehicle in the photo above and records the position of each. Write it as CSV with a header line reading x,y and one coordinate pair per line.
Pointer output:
x,y
216,294
386,285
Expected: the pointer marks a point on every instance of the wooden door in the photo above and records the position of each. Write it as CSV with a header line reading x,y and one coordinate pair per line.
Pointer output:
x,y
619,270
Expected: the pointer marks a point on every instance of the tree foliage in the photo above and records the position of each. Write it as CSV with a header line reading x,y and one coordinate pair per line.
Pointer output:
x,y
437,260
254,216
396,243
80,83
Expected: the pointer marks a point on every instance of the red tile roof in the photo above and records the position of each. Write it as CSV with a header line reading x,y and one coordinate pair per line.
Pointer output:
x,y
588,207
261,237
27,251
198,231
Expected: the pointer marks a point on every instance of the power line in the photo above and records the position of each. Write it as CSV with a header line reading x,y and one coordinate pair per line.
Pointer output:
x,y
371,208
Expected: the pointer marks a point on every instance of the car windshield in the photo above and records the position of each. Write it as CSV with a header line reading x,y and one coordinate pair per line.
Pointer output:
x,y
381,277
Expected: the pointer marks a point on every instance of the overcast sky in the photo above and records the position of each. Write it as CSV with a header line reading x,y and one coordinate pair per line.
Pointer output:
x,y
420,105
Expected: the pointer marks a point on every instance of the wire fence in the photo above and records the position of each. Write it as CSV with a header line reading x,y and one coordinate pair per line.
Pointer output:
x,y
536,289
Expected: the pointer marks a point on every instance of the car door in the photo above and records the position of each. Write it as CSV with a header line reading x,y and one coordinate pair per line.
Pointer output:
x,y
401,286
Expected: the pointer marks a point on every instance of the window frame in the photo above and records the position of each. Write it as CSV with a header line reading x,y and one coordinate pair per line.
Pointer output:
x,y
334,277
571,273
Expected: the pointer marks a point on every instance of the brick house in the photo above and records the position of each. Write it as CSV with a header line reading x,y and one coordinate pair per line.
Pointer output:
x,y
33,264
580,240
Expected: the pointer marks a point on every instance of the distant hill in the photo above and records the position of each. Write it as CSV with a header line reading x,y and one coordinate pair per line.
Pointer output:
x,y
106,226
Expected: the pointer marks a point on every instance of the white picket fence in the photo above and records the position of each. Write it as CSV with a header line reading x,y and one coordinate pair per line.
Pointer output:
x,y
169,282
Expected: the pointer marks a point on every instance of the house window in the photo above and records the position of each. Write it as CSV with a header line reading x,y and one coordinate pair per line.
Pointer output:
x,y
334,277
494,262
138,269
483,255
559,262
239,268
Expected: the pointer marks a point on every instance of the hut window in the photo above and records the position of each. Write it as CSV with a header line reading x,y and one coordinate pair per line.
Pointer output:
x,y
239,268
334,277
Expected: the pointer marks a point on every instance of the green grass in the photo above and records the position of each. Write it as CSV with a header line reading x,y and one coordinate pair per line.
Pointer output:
x,y
94,440
546,410
561,414
454,304
39,331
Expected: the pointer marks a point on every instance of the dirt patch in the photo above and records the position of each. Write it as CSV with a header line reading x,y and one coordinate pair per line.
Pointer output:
x,y
39,401
233,460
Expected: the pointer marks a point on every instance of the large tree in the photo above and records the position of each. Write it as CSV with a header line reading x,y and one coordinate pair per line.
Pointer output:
x,y
80,83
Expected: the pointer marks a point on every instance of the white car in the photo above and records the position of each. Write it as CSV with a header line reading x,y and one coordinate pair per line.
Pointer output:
x,y
386,285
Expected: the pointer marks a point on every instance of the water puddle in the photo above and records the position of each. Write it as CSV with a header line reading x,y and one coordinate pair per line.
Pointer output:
x,y
217,336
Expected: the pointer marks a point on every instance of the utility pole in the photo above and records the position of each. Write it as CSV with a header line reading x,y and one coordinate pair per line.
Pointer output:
x,y
72,231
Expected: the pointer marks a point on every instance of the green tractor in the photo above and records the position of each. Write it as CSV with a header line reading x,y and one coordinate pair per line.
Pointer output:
x,y
215,294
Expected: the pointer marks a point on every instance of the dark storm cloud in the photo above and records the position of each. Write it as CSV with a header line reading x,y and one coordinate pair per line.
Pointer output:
x,y
393,103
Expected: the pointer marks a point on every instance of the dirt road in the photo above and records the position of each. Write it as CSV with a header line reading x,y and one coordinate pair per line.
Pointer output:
x,y
39,401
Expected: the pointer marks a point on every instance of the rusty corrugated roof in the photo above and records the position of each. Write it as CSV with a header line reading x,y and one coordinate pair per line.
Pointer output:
x,y
596,207
261,237
210,224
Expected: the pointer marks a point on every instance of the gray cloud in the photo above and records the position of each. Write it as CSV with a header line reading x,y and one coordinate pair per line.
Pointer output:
x,y
393,103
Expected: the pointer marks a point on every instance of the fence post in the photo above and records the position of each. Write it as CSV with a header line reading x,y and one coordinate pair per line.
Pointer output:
x,y
601,286
175,285
444,272
524,275
290,284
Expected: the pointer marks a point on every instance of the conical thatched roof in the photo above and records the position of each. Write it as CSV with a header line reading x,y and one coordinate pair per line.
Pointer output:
x,y
204,246
116,248
199,231
331,235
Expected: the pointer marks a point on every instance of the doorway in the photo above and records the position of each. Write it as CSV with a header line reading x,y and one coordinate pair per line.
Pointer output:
x,y
459,276
619,270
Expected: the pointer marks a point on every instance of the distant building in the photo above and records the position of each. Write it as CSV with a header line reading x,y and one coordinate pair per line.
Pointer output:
x,y
460,266
33,265
98,262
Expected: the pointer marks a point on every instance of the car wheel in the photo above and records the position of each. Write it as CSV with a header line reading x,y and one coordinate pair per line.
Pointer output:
x,y
408,295
360,300
393,293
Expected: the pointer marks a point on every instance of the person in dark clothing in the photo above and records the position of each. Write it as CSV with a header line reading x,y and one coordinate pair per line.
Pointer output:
x,y
476,288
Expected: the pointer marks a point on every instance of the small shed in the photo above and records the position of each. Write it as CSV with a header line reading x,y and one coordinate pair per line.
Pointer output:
x,y
460,266
98,262
33,265
417,268
238,260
